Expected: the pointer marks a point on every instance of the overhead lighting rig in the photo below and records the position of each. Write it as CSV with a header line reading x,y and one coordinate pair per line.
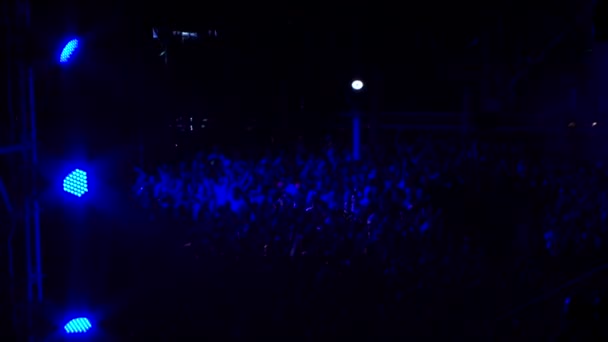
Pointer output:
x,y
184,36
164,37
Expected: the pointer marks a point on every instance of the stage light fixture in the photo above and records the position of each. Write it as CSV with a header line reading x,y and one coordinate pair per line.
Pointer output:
x,y
76,183
68,51
357,85
78,325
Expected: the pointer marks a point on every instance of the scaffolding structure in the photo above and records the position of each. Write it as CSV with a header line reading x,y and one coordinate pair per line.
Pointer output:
x,y
18,188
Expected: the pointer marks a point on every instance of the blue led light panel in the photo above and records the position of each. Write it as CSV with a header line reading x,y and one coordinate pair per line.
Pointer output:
x,y
78,326
68,51
76,183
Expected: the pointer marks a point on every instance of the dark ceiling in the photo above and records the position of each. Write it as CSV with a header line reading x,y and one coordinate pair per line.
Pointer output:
x,y
414,46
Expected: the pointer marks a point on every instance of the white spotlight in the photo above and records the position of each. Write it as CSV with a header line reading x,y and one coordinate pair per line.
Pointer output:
x,y
357,85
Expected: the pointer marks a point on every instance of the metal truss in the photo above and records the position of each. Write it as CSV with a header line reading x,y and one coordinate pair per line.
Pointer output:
x,y
18,188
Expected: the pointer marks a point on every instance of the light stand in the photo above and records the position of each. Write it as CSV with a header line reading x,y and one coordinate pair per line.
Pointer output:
x,y
21,151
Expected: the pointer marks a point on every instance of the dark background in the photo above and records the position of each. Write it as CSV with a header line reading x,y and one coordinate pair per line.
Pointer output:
x,y
291,66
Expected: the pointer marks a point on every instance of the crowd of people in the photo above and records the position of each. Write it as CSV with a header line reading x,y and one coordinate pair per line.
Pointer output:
x,y
428,230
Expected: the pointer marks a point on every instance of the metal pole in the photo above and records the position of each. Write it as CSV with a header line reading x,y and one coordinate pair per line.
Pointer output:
x,y
23,14
356,98
356,136
26,180
32,145
30,161
8,19
30,155
34,185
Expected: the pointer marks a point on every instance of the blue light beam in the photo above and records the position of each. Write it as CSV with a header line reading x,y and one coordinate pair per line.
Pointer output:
x,y
78,325
76,183
68,51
